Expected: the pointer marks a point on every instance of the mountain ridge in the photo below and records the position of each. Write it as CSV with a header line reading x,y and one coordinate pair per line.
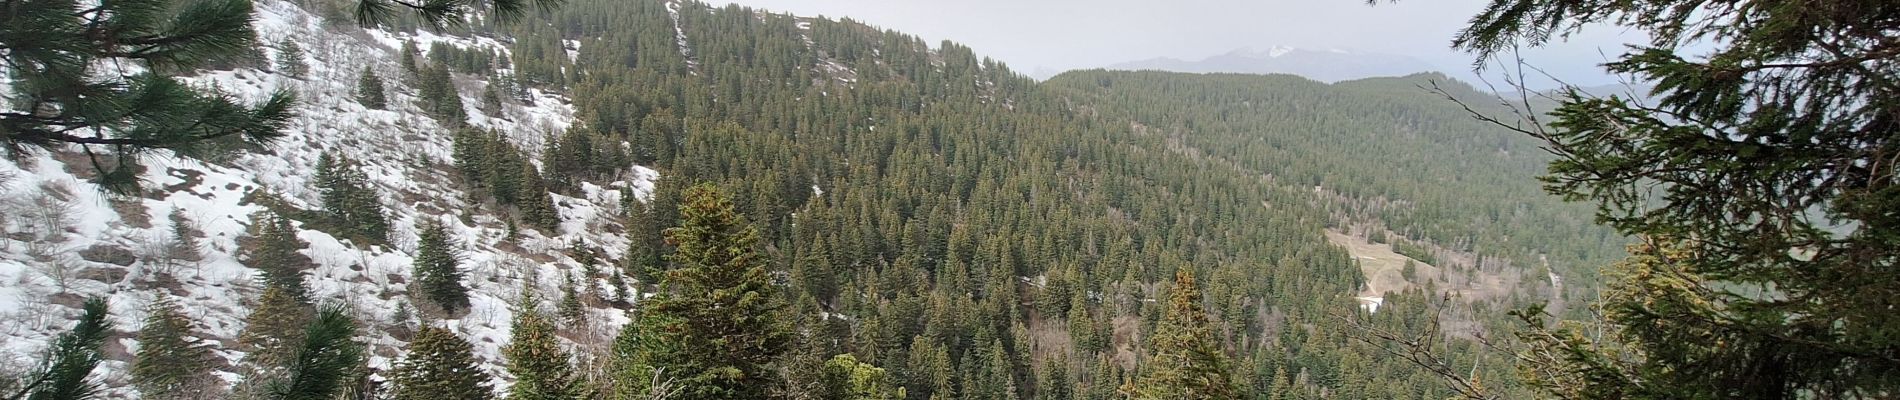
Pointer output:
x,y
1330,65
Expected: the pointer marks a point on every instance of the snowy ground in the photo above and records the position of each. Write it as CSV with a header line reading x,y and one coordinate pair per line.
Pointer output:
x,y
62,239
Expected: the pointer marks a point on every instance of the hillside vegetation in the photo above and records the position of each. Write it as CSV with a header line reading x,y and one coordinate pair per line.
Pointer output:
x,y
896,214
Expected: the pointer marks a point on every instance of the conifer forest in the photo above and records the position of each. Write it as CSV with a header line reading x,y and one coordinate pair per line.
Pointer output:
x,y
669,199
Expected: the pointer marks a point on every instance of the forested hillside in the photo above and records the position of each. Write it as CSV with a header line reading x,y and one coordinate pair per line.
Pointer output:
x,y
897,219
1401,156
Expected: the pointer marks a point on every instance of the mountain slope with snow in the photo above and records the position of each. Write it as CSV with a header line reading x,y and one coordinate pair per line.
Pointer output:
x,y
65,239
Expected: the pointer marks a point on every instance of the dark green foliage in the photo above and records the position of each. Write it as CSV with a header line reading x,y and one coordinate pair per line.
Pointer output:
x,y
1053,383
58,98
350,205
438,269
537,207
172,364
541,368
407,57
571,310
581,155
1187,360
323,360
251,57
492,163
939,197
66,371
270,336
644,243
369,90
290,59
1760,179
478,61
491,102
440,97
439,366
445,13
718,322
274,248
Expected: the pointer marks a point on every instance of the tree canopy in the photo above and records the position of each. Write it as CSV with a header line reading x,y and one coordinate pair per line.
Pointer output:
x,y
1761,180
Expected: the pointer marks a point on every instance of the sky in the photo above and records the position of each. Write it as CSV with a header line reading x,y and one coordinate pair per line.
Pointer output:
x,y
1056,35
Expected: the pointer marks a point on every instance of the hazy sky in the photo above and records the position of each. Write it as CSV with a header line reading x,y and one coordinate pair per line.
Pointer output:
x,y
1068,34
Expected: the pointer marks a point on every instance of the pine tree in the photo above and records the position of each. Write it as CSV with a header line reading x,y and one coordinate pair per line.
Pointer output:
x,y
537,208
541,368
931,373
270,332
59,96
440,97
440,366
369,90
275,249
571,308
1186,360
407,57
350,204
1053,383
170,363
66,372
321,362
996,379
718,321
290,59
644,243
438,269
491,102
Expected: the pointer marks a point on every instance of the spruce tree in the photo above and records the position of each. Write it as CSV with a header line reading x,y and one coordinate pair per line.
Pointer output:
x,y
571,308
290,59
171,362
275,249
58,96
274,326
440,366
541,369
440,97
644,243
718,320
491,102
1052,380
407,57
1185,358
537,206
350,204
438,269
369,90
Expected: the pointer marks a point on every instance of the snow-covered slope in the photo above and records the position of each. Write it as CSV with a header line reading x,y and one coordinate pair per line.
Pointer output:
x,y
62,239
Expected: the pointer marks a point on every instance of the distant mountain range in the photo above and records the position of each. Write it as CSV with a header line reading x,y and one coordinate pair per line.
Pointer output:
x,y
1322,65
